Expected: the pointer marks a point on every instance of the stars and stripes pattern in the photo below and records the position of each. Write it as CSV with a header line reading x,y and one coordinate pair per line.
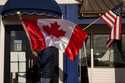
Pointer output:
x,y
114,19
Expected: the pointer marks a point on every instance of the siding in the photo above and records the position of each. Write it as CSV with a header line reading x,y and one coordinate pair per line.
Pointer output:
x,y
107,75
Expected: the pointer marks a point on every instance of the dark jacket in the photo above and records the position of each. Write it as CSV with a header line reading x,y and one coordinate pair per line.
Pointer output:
x,y
48,62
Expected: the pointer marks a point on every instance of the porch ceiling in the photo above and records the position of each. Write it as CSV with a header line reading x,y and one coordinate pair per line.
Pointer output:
x,y
93,8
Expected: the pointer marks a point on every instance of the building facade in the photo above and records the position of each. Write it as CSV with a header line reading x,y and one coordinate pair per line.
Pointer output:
x,y
104,66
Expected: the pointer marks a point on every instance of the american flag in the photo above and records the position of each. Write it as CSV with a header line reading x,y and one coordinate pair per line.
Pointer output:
x,y
114,19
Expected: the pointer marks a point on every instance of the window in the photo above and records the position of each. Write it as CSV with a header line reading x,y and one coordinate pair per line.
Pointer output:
x,y
102,56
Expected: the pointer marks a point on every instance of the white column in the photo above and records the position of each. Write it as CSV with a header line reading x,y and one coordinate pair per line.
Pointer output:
x,y
2,38
61,66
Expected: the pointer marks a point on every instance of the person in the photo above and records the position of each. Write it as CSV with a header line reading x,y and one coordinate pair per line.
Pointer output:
x,y
48,64
45,67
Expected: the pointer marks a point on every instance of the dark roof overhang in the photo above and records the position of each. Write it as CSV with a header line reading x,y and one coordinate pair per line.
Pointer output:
x,y
39,7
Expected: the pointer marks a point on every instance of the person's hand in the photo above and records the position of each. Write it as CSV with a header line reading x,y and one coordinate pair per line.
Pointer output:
x,y
35,53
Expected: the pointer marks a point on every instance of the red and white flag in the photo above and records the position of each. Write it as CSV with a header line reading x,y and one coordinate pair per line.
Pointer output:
x,y
63,34
114,19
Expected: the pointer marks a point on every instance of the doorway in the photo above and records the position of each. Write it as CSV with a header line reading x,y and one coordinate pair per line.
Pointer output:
x,y
17,54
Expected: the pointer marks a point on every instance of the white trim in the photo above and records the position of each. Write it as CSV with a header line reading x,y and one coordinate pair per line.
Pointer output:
x,y
67,1
2,2
107,75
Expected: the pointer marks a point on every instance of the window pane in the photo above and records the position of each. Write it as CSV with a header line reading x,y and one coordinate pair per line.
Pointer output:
x,y
22,67
14,67
14,56
22,56
17,45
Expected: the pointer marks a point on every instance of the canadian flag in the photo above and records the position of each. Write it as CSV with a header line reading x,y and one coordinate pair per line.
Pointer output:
x,y
63,34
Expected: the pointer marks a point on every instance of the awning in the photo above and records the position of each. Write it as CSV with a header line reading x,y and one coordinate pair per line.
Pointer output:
x,y
49,7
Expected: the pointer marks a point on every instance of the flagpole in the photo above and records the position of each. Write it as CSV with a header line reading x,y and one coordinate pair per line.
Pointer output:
x,y
20,17
92,23
33,52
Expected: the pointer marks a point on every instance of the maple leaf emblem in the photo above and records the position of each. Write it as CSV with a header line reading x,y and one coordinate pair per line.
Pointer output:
x,y
54,30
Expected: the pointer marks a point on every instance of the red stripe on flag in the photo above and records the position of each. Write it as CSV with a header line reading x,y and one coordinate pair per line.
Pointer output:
x,y
111,14
109,43
108,22
35,36
109,17
75,42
